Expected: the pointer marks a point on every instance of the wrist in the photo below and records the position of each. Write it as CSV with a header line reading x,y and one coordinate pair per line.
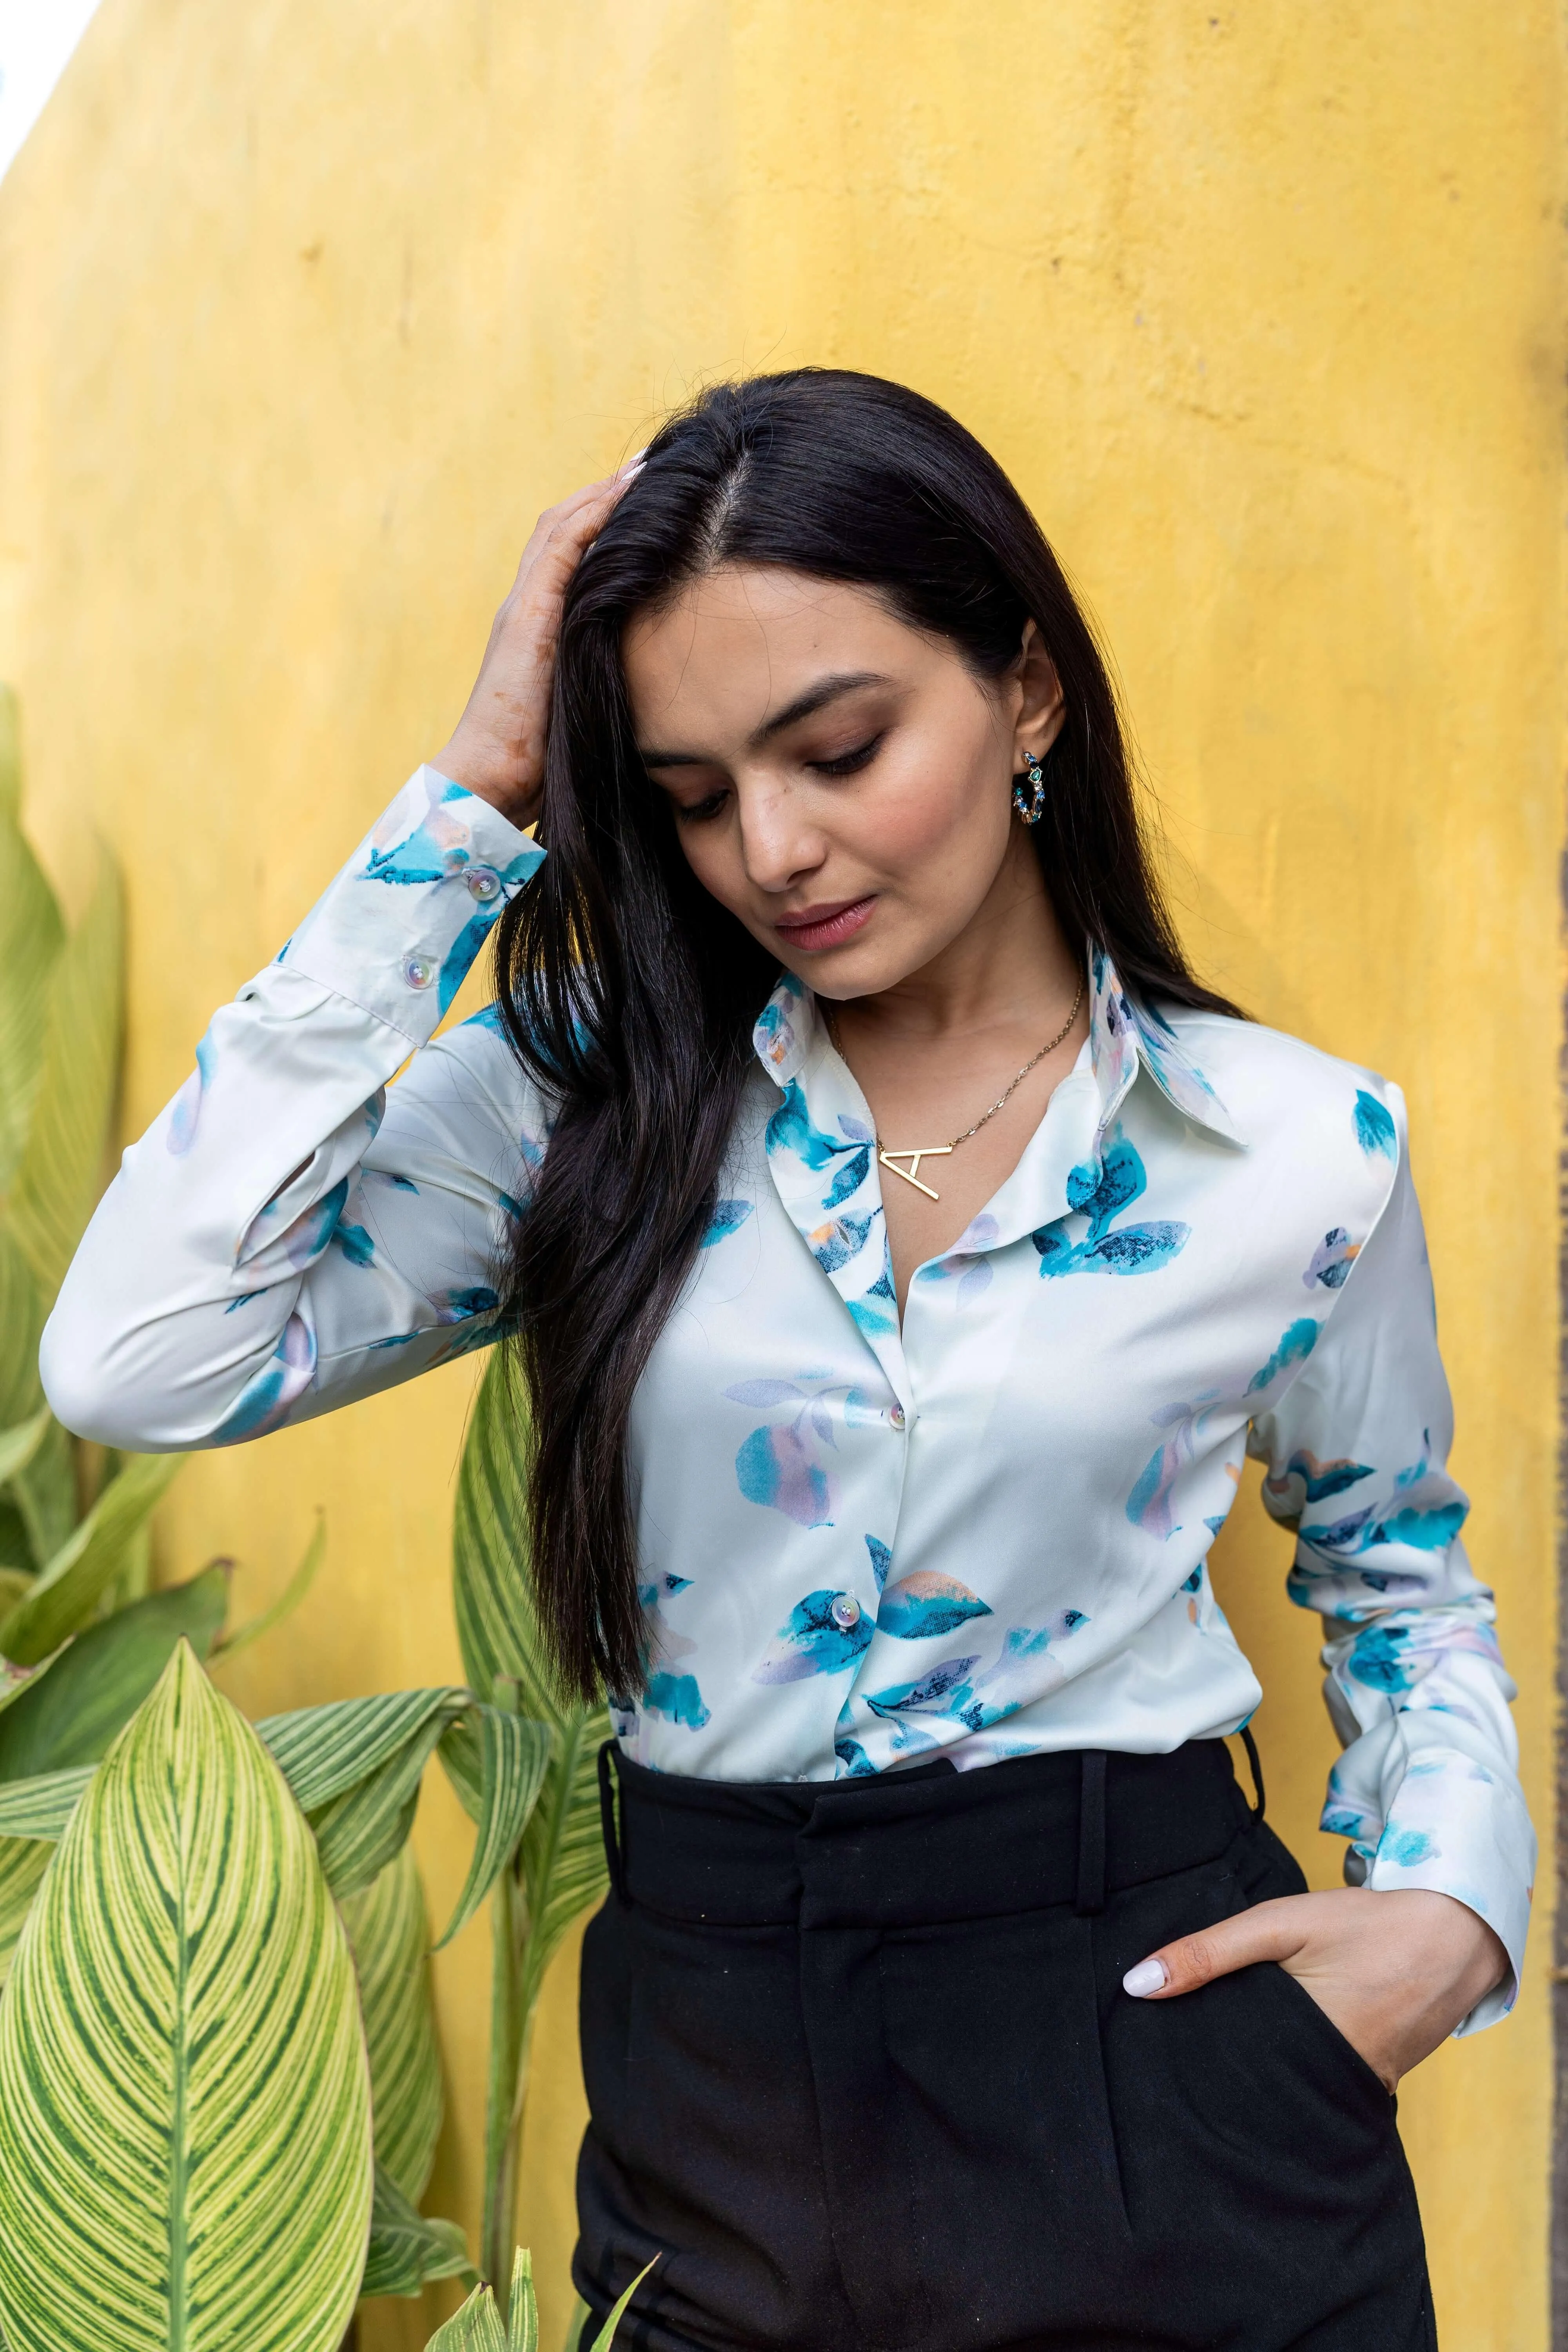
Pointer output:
x,y
486,772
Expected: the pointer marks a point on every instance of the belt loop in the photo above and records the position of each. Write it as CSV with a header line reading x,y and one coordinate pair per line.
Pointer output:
x,y
1091,1833
608,1823
1251,1745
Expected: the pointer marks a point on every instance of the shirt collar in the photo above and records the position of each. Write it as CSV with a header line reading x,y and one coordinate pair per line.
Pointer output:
x,y
1125,1036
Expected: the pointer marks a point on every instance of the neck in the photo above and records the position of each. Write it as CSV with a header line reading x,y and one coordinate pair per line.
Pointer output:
x,y
1009,966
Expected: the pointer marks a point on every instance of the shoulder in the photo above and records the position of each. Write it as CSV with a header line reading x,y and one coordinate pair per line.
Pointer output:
x,y
1286,1097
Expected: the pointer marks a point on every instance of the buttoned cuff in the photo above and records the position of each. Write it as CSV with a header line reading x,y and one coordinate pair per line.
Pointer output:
x,y
1453,1819
399,928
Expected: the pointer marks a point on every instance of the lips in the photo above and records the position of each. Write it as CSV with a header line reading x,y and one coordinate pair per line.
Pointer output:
x,y
816,927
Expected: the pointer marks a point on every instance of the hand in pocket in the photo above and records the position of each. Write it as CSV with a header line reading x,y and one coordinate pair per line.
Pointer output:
x,y
1395,1972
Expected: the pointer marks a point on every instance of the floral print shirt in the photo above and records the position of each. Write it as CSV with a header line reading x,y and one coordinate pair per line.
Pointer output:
x,y
981,1533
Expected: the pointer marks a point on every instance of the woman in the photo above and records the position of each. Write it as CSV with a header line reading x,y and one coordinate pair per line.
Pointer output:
x,y
902,1250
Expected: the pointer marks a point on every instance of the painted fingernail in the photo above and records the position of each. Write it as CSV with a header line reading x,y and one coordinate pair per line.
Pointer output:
x,y
1149,1976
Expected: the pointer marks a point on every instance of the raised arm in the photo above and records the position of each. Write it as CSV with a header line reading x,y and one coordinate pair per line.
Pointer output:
x,y
289,1235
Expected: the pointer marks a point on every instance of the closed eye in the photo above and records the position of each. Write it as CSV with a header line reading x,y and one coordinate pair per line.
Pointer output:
x,y
699,812
849,764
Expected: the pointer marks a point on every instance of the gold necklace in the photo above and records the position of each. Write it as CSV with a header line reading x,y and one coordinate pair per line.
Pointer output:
x,y
911,1174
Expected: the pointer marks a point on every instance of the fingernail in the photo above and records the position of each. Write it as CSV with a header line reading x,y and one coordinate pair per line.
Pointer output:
x,y
1149,1976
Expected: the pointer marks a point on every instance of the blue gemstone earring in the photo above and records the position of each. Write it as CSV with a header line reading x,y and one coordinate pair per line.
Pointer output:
x,y
1031,803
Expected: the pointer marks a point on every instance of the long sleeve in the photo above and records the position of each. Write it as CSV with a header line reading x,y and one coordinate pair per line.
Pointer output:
x,y
290,1233
1427,1788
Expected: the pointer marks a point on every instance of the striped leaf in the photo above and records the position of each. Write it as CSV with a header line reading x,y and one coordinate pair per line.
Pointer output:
x,y
324,1750
512,1755
42,1808
23,1862
31,934
478,2327
358,1832
560,1871
185,2111
67,1591
407,2248
58,1177
562,1852
389,1933
21,1327
98,1682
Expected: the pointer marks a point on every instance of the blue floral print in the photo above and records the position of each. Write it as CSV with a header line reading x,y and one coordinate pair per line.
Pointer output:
x,y
1099,1192
976,1527
813,1642
1373,1127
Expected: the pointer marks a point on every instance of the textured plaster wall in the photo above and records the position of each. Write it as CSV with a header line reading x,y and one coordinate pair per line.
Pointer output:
x,y
305,311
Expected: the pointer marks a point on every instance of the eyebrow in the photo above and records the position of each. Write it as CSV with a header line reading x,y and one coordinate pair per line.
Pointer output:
x,y
804,705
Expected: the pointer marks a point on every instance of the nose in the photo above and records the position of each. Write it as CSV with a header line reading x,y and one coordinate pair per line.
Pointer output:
x,y
780,842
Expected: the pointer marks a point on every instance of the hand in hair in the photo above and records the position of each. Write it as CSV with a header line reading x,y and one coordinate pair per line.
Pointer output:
x,y
496,748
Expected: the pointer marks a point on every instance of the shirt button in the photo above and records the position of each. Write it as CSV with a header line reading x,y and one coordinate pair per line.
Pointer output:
x,y
482,882
418,971
845,1611
897,1416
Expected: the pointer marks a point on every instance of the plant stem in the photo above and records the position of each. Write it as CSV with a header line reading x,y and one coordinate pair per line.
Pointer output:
x,y
509,1936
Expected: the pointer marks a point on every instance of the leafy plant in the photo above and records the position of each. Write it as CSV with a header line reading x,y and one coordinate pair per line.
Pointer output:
x,y
180,1780
479,2327
559,1869
185,2102
95,1665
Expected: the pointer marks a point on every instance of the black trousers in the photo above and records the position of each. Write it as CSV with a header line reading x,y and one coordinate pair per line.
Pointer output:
x,y
860,2070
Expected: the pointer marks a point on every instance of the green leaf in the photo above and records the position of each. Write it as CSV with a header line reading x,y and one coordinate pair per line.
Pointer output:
x,y
185,2109
607,2335
70,1715
42,1808
21,1327
563,1849
68,1590
288,1601
514,1754
324,1750
560,1864
389,1933
522,2305
408,2248
23,1862
56,1180
19,1445
475,2328
45,1492
31,934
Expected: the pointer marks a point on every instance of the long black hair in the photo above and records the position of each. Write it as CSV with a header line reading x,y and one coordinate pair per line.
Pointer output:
x,y
630,994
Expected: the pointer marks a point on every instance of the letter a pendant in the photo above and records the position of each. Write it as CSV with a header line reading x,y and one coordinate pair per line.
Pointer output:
x,y
911,1174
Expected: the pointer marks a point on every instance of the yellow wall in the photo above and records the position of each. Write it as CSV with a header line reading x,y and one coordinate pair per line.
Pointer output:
x,y
305,311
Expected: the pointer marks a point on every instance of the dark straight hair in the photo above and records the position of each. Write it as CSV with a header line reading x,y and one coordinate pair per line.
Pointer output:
x,y
630,995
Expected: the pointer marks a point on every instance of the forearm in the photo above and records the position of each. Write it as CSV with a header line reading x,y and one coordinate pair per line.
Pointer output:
x,y
231,1267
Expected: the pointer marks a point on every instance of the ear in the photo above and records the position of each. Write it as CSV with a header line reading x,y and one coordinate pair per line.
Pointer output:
x,y
1042,706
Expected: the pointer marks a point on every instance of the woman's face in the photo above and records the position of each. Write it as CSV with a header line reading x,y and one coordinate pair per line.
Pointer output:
x,y
840,781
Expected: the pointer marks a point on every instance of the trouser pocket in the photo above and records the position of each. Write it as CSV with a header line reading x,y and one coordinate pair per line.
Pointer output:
x,y
1259,2152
